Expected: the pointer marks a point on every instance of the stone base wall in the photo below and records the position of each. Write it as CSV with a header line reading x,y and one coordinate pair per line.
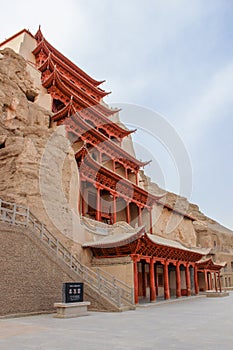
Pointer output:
x,y
121,268
32,276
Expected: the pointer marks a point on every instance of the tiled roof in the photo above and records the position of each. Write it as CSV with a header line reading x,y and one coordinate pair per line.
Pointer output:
x,y
121,238
175,244
116,240
205,260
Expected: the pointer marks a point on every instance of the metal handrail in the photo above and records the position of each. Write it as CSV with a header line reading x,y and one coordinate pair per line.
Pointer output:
x,y
102,282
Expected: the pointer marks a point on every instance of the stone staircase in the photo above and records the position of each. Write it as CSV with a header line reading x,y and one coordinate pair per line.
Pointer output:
x,y
103,284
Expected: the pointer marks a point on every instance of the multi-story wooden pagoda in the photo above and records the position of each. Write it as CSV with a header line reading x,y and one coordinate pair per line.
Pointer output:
x,y
109,191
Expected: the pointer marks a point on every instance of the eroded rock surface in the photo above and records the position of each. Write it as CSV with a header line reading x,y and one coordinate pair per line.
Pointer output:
x,y
33,155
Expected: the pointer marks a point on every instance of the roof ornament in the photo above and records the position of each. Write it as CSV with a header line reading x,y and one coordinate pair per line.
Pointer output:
x,y
39,36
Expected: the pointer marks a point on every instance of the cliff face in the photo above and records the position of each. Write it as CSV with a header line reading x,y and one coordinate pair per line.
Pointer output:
x,y
38,166
203,231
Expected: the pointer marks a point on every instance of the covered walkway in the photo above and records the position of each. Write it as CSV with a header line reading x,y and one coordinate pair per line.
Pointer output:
x,y
162,268
209,274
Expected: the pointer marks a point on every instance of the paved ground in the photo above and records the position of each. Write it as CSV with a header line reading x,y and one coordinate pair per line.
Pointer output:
x,y
200,323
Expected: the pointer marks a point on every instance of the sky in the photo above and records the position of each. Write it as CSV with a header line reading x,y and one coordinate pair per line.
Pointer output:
x,y
169,65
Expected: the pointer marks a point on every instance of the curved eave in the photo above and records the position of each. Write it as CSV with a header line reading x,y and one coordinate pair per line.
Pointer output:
x,y
209,264
161,241
93,102
142,246
116,240
120,153
143,164
39,37
55,79
52,61
68,110
103,93
132,131
129,132
48,63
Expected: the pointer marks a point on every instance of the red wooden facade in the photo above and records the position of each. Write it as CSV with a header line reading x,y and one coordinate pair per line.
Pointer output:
x,y
77,103
162,257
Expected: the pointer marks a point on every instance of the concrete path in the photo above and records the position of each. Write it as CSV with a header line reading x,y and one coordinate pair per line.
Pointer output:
x,y
199,323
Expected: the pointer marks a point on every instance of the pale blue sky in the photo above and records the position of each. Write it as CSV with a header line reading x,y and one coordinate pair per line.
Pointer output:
x,y
174,57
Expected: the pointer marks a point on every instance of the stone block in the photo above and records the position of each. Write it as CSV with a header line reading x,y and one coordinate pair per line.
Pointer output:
x,y
68,310
217,294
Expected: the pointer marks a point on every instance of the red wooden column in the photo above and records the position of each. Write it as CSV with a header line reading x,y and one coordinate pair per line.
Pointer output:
x,y
152,281
114,210
139,216
187,277
196,280
178,282
219,282
150,219
215,282
206,280
210,279
128,218
98,209
135,270
143,279
156,282
166,281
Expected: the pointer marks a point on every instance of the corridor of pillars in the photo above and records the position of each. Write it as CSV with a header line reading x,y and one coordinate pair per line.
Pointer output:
x,y
212,281
163,279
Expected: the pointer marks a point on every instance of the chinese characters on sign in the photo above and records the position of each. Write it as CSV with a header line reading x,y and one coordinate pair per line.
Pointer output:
x,y
72,292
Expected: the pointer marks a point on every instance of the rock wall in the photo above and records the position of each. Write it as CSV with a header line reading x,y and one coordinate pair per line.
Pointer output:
x,y
38,167
202,231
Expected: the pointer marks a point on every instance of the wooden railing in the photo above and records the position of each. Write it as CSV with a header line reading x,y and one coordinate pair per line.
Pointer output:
x,y
103,283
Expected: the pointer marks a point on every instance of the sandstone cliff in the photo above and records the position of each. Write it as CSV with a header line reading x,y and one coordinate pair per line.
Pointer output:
x,y
38,167
206,229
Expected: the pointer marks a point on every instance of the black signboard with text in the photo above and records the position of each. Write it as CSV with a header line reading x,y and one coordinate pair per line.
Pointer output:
x,y
72,292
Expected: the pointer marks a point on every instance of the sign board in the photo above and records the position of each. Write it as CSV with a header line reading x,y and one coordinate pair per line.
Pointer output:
x,y
72,292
